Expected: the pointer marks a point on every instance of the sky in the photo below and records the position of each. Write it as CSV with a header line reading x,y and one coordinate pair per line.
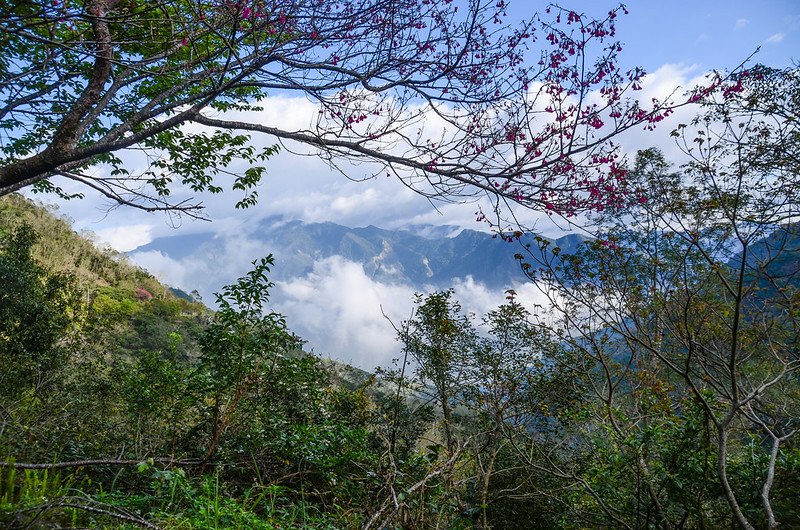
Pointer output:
x,y
677,42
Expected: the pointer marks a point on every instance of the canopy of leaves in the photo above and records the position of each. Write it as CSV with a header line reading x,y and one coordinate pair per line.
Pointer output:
x,y
446,95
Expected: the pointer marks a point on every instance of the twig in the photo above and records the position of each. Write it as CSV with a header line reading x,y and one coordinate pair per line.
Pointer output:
x,y
100,462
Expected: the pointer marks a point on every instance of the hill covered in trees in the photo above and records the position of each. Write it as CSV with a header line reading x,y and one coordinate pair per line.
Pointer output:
x,y
657,386
124,405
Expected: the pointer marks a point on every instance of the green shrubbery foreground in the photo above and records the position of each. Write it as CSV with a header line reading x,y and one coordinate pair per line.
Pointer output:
x,y
123,411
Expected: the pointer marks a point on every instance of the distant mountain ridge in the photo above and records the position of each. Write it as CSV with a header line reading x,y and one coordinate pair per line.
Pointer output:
x,y
391,256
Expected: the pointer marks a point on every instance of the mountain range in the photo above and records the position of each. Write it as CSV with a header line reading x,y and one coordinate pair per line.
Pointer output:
x,y
418,256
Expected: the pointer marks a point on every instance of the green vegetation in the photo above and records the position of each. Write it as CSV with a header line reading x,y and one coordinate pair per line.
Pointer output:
x,y
658,389
126,406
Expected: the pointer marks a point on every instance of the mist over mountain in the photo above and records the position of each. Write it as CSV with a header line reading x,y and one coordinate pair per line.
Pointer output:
x,y
341,288
335,283
420,256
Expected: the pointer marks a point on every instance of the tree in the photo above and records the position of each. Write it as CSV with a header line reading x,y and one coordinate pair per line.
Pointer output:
x,y
437,342
440,339
513,377
488,388
442,94
38,314
241,348
685,310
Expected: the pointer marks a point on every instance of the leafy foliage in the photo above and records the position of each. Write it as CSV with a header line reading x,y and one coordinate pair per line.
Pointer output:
x,y
36,316
84,82
659,388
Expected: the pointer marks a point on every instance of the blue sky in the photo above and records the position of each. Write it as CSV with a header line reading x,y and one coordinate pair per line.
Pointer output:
x,y
675,40
711,34
338,307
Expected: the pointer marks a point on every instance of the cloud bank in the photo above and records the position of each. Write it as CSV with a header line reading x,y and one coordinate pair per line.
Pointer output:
x,y
336,308
345,314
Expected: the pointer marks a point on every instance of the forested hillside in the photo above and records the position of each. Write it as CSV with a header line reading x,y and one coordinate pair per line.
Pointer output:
x,y
125,406
645,376
59,249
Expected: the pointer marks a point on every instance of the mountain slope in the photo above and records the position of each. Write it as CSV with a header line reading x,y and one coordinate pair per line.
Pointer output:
x,y
60,249
391,256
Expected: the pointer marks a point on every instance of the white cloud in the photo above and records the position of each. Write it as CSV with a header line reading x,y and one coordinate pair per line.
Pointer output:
x,y
479,299
741,23
126,238
777,38
337,308
380,202
668,80
166,269
307,188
